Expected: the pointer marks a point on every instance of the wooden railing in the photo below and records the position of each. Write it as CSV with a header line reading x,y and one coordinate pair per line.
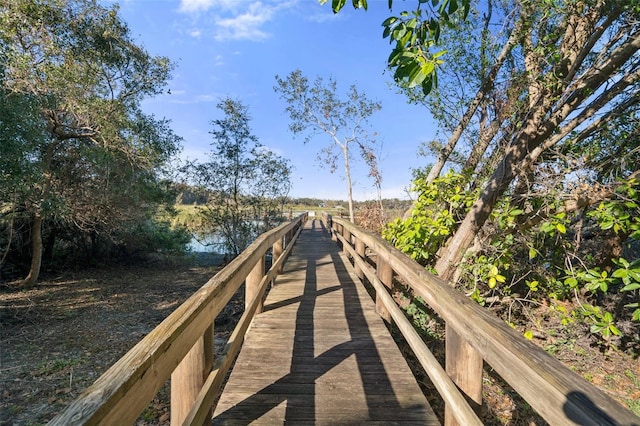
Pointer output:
x,y
474,336
182,346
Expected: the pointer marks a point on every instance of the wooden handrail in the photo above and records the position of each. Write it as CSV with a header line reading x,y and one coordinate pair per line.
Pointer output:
x,y
461,409
124,390
558,394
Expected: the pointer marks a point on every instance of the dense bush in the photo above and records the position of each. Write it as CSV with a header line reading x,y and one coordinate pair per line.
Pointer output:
x,y
542,251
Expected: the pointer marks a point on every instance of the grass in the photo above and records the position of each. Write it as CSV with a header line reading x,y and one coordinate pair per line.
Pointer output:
x,y
633,378
48,367
633,404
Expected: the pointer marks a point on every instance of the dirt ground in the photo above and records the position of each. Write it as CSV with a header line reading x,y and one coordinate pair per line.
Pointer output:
x,y
59,337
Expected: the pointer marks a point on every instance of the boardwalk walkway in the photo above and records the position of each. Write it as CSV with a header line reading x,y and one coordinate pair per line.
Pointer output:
x,y
319,354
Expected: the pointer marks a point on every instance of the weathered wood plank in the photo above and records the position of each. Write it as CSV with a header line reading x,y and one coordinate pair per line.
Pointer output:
x,y
319,353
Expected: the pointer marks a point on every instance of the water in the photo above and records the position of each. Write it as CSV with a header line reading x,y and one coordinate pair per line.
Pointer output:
x,y
206,244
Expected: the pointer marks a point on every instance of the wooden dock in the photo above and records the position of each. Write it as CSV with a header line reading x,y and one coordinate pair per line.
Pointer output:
x,y
319,353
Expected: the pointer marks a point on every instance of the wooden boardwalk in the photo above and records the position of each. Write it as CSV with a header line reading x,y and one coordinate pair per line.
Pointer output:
x,y
319,353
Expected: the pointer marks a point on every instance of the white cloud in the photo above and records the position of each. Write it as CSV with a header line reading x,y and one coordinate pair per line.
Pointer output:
x,y
233,19
192,6
246,25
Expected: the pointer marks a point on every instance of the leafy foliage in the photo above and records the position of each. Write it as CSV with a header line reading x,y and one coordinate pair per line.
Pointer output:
x,y
415,35
433,218
78,152
245,183
518,258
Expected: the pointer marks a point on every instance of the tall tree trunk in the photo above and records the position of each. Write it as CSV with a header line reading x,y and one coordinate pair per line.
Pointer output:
x,y
347,173
36,251
36,230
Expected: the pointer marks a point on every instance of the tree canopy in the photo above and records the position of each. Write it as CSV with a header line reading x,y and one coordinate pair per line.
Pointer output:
x,y
81,152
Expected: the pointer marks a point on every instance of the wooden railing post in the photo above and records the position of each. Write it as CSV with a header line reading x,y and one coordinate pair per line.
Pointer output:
x,y
384,271
464,366
361,250
333,229
278,249
288,236
347,237
339,231
252,286
189,376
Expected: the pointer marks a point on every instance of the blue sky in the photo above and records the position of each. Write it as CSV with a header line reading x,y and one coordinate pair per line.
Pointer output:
x,y
237,47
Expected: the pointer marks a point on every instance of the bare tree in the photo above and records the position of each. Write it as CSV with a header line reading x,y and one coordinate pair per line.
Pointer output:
x,y
318,108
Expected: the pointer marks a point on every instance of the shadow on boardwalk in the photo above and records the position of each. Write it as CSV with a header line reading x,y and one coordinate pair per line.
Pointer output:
x,y
319,353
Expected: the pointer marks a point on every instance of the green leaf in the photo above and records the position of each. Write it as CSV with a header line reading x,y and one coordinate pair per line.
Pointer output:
x,y
571,282
624,262
532,253
416,76
631,287
357,4
453,6
336,5
427,85
398,32
467,7
561,228
492,282
606,225
620,273
438,54
528,335
427,68
389,21
546,227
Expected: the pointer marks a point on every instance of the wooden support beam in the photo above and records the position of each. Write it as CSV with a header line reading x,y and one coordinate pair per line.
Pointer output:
x,y
189,376
361,250
278,249
384,271
347,236
253,284
464,366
